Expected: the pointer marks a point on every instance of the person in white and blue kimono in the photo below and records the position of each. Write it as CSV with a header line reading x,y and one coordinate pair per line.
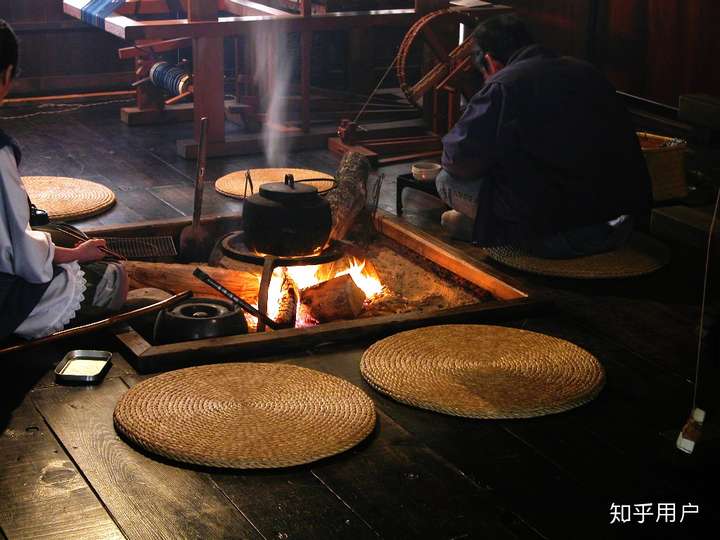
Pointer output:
x,y
43,287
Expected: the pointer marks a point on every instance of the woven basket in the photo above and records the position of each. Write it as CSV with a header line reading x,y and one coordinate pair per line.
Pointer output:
x,y
666,164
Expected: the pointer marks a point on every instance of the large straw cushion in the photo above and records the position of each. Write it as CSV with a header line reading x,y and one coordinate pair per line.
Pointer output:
x,y
233,184
245,415
640,256
479,371
68,199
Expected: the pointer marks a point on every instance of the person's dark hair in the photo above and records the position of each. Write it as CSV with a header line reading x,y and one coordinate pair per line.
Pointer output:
x,y
8,48
502,36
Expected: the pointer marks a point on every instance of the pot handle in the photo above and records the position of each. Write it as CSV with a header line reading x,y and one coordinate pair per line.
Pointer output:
x,y
290,180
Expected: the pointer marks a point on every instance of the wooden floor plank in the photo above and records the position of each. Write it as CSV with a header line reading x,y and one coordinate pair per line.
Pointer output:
x,y
286,503
291,504
404,490
529,487
42,494
147,498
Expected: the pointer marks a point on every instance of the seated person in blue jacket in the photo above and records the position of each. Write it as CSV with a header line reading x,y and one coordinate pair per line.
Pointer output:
x,y
545,156
43,287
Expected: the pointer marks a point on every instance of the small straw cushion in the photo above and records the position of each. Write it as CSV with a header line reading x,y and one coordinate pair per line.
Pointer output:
x,y
68,199
640,256
245,415
233,184
479,371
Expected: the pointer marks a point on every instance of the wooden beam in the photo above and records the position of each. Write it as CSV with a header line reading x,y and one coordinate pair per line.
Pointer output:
x,y
248,7
143,7
155,47
230,26
446,256
202,10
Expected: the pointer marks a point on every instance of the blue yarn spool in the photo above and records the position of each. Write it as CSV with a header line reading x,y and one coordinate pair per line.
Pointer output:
x,y
95,11
170,78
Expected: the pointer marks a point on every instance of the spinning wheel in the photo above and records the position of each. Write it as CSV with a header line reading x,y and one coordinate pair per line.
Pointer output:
x,y
453,70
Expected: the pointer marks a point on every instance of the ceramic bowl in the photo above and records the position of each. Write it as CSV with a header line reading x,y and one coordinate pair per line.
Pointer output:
x,y
425,171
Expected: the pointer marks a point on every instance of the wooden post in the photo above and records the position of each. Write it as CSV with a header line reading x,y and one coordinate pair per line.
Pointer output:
x,y
305,58
202,10
148,96
208,74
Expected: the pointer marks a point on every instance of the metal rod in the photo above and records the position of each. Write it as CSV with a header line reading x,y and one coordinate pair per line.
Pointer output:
x,y
105,250
202,276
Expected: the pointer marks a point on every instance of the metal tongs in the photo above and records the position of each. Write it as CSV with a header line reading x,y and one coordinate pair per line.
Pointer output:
x,y
252,310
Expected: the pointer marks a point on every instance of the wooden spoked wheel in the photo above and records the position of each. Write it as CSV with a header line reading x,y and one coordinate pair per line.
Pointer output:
x,y
452,62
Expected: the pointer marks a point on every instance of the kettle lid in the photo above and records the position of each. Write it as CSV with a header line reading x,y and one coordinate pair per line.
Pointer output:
x,y
289,190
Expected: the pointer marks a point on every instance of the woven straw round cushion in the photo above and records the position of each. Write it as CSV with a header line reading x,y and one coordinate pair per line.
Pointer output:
x,y
68,199
479,371
245,415
641,255
233,184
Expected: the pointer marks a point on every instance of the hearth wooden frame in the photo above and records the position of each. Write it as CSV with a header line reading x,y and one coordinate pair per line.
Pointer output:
x,y
513,300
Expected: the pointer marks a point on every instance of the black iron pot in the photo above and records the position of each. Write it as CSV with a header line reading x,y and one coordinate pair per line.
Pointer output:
x,y
199,318
286,219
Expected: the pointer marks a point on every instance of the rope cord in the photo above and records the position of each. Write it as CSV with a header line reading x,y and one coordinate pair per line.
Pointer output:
x,y
64,108
704,294
372,94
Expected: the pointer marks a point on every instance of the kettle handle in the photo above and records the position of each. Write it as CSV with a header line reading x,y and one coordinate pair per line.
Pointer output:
x,y
290,180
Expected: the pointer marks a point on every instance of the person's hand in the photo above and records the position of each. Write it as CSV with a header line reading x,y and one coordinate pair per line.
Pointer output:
x,y
89,250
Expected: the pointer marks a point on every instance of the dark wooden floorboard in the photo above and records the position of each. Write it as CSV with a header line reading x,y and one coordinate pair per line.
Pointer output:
x,y
404,490
147,498
395,465
286,503
42,494
180,199
484,451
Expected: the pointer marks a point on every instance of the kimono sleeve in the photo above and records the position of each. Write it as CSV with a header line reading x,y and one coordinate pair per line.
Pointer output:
x,y
23,252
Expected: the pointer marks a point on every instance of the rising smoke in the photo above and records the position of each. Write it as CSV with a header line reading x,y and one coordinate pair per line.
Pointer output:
x,y
273,69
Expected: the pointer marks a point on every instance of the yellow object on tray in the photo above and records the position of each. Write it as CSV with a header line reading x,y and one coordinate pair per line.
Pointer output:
x,y
665,158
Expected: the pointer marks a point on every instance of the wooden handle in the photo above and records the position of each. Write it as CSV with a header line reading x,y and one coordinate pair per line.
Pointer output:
x,y
98,325
200,176
176,99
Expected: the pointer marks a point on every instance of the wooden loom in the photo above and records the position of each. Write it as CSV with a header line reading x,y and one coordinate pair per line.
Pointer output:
x,y
203,28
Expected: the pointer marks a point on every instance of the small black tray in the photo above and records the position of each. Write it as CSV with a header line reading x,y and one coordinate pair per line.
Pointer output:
x,y
83,367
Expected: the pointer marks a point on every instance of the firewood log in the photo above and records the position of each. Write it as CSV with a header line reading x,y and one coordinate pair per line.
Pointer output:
x,y
176,278
288,303
348,199
338,298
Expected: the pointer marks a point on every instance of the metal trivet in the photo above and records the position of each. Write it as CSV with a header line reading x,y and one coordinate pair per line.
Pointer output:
x,y
143,247
233,245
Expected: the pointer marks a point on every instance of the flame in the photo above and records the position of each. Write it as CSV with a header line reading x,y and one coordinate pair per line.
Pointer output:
x,y
365,278
362,273
304,276
274,294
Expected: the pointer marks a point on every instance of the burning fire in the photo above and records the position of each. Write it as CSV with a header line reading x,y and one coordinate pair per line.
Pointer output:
x,y
362,274
368,281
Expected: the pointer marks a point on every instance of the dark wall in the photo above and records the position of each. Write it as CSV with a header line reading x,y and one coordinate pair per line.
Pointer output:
x,y
657,49
60,54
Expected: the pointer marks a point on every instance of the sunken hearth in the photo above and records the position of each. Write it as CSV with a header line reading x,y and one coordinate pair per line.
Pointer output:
x,y
402,279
